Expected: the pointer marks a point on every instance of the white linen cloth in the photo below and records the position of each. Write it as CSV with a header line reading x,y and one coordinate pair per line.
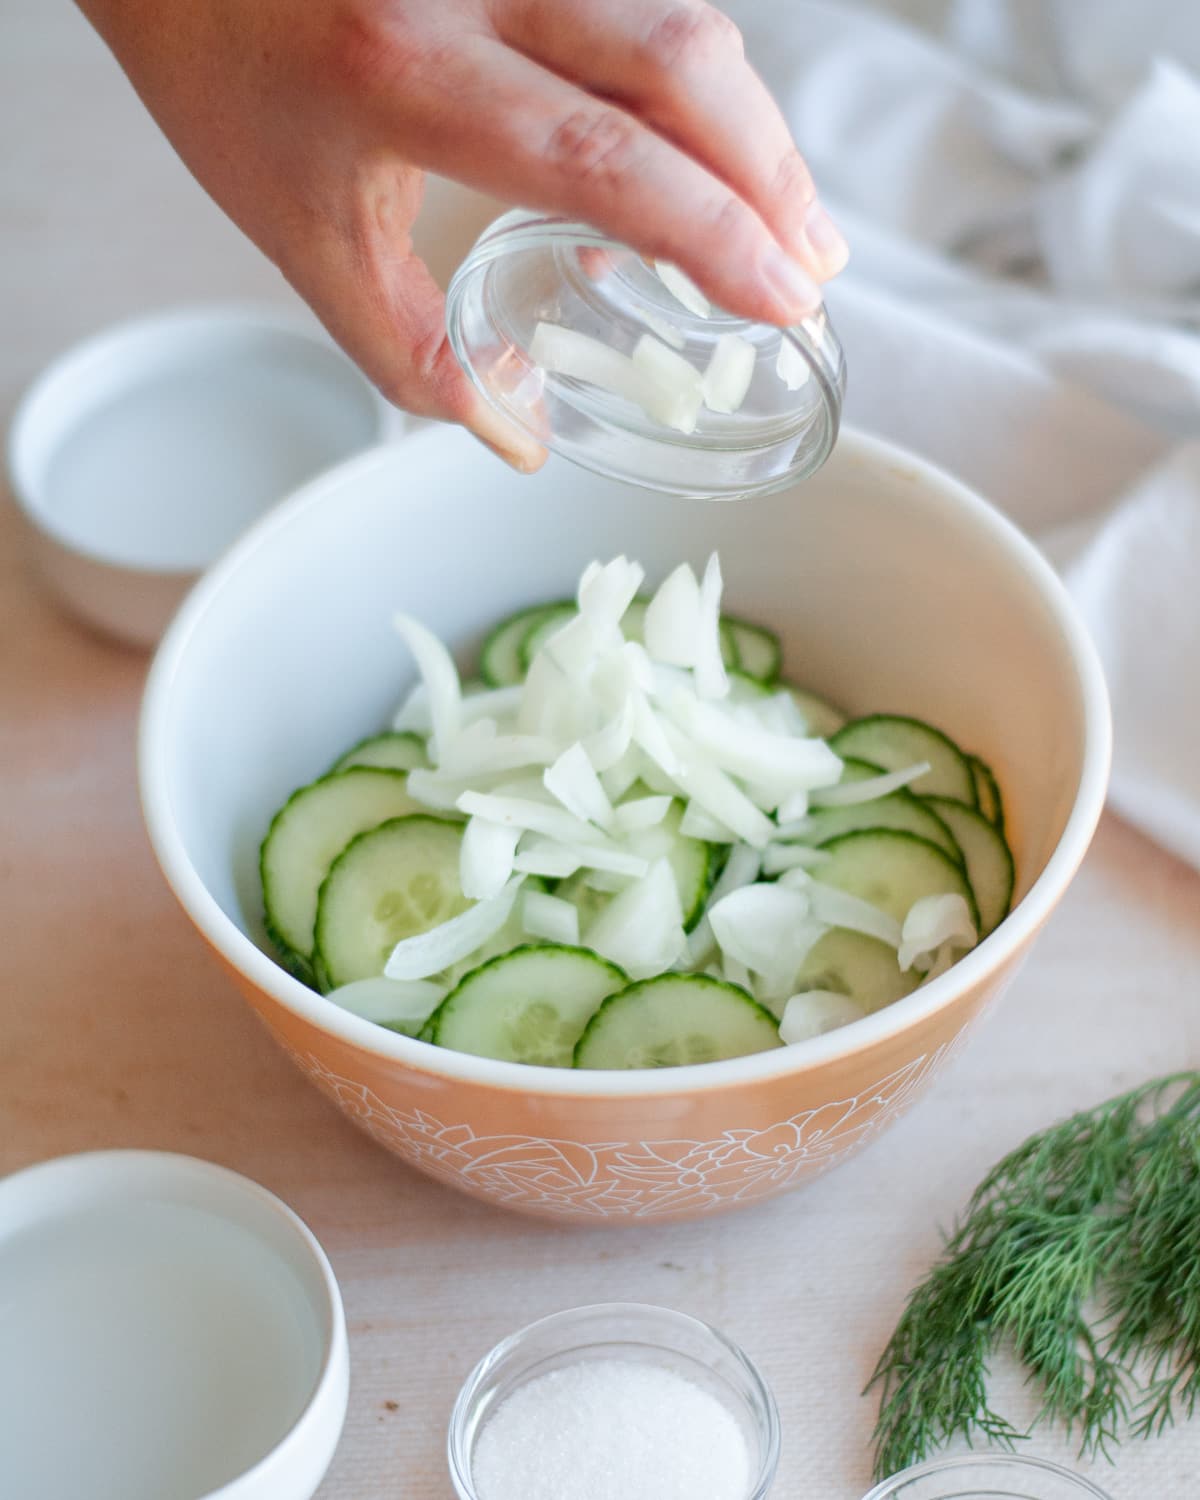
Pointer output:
x,y
1020,184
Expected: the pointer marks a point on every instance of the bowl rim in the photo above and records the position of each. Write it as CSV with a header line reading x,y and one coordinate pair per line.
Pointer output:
x,y
151,341
998,949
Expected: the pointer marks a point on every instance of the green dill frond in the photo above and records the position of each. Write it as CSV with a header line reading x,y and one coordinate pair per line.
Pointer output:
x,y
1080,1252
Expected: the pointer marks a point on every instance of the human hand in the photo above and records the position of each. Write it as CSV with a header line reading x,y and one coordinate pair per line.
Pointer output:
x,y
311,122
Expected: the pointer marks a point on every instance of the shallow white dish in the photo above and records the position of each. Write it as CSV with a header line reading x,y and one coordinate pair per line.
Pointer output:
x,y
138,456
171,1331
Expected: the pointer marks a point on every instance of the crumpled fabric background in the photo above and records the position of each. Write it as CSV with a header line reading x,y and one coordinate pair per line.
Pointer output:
x,y
1020,184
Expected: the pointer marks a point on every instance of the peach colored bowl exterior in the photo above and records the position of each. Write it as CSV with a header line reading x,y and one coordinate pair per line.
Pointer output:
x,y
894,588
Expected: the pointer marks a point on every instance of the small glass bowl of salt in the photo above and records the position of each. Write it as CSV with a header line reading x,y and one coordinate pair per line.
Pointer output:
x,y
624,367
619,1401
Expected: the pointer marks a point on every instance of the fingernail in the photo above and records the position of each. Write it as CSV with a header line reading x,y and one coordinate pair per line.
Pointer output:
x,y
789,283
825,240
515,447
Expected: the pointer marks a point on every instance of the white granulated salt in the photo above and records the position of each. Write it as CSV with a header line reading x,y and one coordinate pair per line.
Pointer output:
x,y
611,1429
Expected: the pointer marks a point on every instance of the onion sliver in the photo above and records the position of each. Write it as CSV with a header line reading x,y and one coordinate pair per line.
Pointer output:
x,y
790,365
574,782
682,288
676,384
729,373
485,859
840,909
550,917
710,675
386,1001
814,1012
565,351
641,928
672,622
440,677
450,942
847,793
931,923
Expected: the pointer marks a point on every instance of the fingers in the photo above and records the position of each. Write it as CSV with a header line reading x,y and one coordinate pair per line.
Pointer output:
x,y
383,307
678,65
498,121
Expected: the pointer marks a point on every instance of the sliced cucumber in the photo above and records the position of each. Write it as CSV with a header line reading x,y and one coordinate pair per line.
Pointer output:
x,y
387,884
528,1006
987,791
898,809
893,742
758,652
822,718
500,659
675,1020
892,869
308,832
548,623
850,963
988,859
746,689
392,751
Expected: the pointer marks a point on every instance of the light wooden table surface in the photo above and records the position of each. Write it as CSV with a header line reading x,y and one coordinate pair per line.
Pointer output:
x,y
117,1030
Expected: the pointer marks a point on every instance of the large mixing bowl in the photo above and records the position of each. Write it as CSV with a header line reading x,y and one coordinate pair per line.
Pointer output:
x,y
894,589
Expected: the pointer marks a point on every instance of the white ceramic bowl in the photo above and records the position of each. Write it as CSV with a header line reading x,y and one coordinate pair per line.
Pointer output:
x,y
138,456
893,587
171,1331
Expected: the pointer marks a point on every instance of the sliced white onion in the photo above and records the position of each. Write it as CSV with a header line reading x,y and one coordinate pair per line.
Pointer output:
x,y
485,858
814,1012
576,645
604,880
701,944
545,859
741,868
387,1001
433,789
869,789
526,814
641,928
932,922
677,386
698,824
749,751
729,373
476,754
719,796
651,735
793,808
682,288
780,857
780,713
550,917
605,594
565,351
450,942
840,909
790,365
607,857
712,681
630,768
440,677
605,746
767,928
672,623
574,782
640,813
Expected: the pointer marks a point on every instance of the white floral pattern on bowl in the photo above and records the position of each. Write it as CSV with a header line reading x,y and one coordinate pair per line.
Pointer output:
x,y
629,1179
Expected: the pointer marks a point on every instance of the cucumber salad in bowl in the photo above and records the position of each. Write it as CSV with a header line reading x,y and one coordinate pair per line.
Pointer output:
x,y
631,844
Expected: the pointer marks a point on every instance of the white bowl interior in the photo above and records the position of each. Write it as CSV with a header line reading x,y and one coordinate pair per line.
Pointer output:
x,y
892,587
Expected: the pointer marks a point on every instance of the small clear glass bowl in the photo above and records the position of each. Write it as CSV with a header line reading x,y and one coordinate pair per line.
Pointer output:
x,y
987,1476
631,1331
527,269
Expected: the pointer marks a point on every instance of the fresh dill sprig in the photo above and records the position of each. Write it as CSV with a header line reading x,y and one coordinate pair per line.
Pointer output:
x,y
1080,1252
